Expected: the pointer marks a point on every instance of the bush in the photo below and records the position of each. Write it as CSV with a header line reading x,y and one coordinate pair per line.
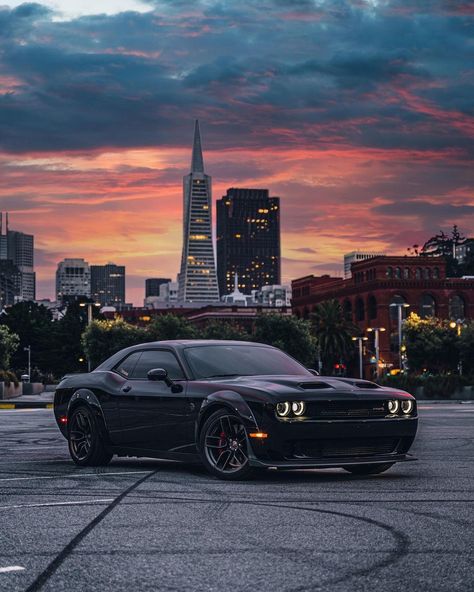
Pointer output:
x,y
9,377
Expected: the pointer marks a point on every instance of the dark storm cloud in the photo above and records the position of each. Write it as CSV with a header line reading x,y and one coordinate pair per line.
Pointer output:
x,y
370,76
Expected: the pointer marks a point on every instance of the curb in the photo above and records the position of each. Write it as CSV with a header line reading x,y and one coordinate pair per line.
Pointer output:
x,y
26,405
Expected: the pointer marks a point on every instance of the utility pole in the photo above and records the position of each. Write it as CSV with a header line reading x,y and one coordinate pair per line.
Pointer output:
x,y
400,306
89,321
28,349
361,351
377,331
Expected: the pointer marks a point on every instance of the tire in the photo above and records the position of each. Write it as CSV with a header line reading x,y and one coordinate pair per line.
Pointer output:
x,y
86,446
368,469
223,446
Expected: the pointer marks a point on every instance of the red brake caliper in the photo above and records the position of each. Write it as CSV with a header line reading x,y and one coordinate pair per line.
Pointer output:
x,y
222,440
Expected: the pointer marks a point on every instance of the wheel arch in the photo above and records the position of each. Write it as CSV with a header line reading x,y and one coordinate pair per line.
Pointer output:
x,y
230,400
87,398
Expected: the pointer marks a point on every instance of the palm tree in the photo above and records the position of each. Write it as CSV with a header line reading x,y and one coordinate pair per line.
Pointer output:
x,y
333,333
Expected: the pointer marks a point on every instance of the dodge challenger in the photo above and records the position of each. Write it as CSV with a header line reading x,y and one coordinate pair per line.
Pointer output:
x,y
235,407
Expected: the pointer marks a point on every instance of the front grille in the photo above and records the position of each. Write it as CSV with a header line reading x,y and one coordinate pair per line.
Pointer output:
x,y
347,409
327,449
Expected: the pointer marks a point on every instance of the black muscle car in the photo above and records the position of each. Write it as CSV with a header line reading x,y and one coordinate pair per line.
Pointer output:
x,y
235,406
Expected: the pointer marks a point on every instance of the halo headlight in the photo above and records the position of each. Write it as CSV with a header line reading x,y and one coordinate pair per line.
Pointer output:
x,y
283,409
407,406
393,407
298,407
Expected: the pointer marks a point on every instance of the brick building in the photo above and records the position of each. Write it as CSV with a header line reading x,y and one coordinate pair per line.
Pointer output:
x,y
376,283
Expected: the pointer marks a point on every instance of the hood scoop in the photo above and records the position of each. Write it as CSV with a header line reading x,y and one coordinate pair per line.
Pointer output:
x,y
312,386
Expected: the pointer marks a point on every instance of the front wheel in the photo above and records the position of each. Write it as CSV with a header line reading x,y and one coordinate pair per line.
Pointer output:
x,y
86,446
224,447
368,469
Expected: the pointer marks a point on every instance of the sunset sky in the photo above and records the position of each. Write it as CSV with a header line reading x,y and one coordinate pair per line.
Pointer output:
x,y
359,114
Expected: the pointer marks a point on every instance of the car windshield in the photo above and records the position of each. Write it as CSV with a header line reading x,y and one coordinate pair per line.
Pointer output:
x,y
219,361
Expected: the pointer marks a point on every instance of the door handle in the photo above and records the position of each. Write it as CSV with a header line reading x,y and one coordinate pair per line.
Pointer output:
x,y
126,389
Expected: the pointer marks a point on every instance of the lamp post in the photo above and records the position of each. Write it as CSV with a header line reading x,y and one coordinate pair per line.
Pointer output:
x,y
361,366
89,321
458,325
400,306
28,349
377,331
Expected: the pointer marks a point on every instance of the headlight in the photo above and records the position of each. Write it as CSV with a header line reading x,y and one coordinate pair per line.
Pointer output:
x,y
283,409
298,407
393,407
407,406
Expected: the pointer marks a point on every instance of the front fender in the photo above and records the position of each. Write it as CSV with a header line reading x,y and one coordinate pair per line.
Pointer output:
x,y
231,400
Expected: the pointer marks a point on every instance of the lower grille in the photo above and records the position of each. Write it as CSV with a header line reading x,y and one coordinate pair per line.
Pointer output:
x,y
347,409
327,449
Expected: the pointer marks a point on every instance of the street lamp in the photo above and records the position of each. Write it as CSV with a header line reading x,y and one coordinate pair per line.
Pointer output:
x,y
400,306
28,349
89,321
360,340
458,325
377,331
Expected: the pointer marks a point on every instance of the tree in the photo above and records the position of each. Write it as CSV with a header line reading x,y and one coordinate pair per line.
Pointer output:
x,y
9,342
333,334
431,345
222,330
290,334
466,349
34,325
101,339
444,245
171,326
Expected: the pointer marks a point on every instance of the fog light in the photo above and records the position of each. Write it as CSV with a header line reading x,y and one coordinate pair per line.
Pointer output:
x,y
298,407
393,407
283,409
407,406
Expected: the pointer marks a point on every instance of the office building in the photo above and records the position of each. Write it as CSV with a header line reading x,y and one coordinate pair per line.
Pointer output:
x,y
108,284
248,240
152,286
73,280
197,279
18,248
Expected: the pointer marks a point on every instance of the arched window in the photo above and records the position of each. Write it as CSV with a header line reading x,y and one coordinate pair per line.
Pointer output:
x,y
457,308
372,307
426,273
360,310
398,273
406,273
389,272
397,299
347,310
427,306
436,273
418,273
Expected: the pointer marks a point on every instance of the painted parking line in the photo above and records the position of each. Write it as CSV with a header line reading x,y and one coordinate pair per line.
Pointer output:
x,y
10,568
73,476
51,504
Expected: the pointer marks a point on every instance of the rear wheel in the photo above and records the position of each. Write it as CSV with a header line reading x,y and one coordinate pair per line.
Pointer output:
x,y
86,445
224,447
368,469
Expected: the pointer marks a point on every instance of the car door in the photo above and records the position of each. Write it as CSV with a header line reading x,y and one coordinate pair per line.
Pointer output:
x,y
151,413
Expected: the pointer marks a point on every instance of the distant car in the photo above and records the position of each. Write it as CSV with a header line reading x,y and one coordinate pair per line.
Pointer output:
x,y
235,406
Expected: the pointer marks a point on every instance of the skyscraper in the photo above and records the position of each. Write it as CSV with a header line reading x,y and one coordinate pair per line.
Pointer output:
x,y
73,279
248,240
197,279
18,248
108,284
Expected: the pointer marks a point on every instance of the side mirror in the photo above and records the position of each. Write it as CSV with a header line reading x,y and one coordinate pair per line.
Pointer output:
x,y
162,374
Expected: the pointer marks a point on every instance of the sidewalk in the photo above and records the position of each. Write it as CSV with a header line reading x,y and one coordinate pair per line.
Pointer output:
x,y
42,401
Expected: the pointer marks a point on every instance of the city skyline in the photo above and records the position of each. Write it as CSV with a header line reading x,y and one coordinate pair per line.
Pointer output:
x,y
363,125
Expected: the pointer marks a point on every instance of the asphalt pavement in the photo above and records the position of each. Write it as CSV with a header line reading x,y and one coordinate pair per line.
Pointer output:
x,y
154,525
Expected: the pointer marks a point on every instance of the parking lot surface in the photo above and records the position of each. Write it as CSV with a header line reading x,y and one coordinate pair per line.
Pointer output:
x,y
143,524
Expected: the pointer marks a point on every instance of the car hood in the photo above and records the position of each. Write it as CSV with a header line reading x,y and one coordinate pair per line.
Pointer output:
x,y
304,387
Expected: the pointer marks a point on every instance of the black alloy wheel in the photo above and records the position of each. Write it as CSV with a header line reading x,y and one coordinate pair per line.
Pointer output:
x,y
368,469
86,446
224,447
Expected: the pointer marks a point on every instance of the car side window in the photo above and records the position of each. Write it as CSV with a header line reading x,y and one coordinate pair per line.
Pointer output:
x,y
126,366
157,359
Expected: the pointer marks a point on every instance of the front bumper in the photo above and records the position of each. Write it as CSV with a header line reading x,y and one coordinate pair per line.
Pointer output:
x,y
333,443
